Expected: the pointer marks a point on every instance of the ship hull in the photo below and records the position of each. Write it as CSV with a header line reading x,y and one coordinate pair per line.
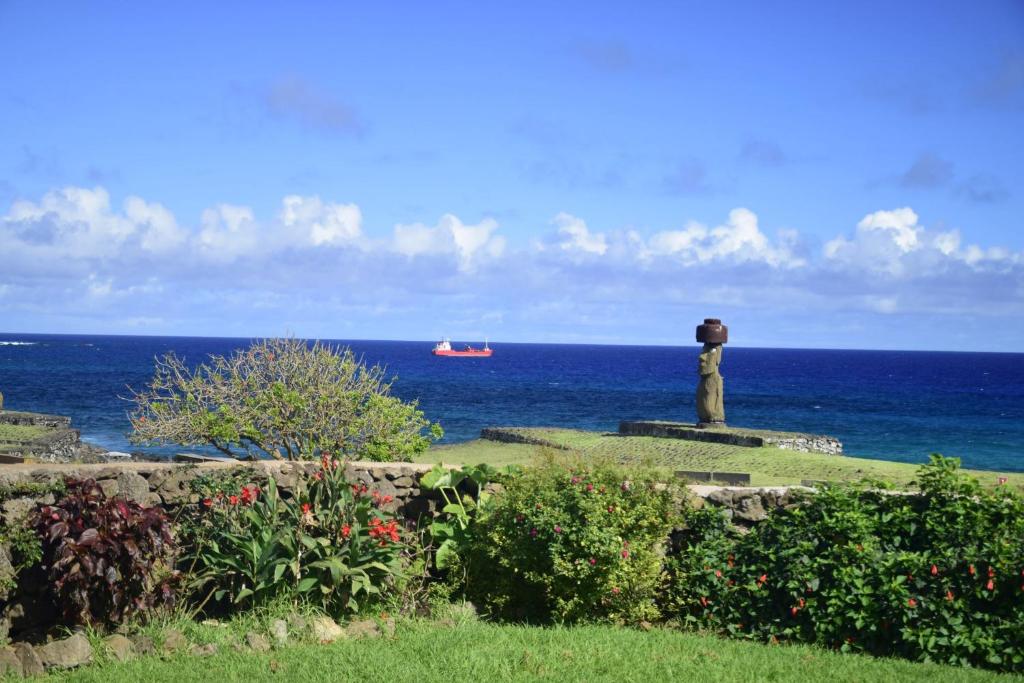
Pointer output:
x,y
483,353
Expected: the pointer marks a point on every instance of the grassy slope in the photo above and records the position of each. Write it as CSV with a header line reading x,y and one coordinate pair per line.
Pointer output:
x,y
474,651
20,433
766,466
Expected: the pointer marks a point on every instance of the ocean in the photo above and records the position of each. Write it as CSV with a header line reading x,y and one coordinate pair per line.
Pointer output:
x,y
893,405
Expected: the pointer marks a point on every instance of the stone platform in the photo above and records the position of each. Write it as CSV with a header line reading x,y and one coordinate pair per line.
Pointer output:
x,y
734,436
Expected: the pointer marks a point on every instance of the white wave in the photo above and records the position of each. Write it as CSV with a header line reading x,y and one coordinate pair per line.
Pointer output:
x,y
16,343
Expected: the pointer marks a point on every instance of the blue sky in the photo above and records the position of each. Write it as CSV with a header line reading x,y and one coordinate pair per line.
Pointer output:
x,y
816,174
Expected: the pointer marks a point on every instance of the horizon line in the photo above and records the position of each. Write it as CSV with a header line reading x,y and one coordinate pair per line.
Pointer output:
x,y
428,341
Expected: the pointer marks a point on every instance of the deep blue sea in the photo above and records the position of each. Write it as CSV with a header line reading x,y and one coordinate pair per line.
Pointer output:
x,y
896,405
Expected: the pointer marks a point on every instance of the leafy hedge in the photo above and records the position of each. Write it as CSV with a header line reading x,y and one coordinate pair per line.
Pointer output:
x,y
935,576
572,540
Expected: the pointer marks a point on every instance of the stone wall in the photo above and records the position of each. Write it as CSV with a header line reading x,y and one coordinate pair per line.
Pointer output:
x,y
511,435
735,436
59,442
168,485
746,505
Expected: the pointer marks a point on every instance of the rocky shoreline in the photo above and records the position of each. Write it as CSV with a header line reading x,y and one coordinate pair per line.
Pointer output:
x,y
40,437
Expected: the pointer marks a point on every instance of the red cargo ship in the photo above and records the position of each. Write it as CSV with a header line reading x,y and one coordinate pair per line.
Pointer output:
x,y
444,348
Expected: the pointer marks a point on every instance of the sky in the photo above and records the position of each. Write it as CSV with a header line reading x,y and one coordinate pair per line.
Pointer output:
x,y
834,175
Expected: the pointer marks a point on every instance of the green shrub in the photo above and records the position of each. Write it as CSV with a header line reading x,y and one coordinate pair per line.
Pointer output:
x,y
283,399
572,541
333,545
106,560
934,576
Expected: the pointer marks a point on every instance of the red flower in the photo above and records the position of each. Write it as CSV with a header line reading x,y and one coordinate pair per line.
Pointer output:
x,y
703,601
233,500
949,596
793,611
718,573
558,529
625,554
590,487
802,603
970,569
990,585
761,579
592,562
911,602
935,570
345,530
611,508
384,531
319,476
208,502
991,572
306,508
615,590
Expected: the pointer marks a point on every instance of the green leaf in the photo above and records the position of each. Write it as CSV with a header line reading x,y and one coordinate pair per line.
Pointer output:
x,y
446,553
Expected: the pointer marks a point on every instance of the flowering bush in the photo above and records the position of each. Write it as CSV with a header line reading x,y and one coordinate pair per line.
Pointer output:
x,y
935,576
572,540
333,544
106,560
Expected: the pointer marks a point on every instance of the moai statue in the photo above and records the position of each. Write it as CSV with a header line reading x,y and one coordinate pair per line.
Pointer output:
x,y
710,404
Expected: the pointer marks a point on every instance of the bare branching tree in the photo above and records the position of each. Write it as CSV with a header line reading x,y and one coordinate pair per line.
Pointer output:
x,y
281,398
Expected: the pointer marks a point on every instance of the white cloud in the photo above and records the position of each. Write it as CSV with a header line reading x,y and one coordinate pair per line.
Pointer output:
x,y
738,240
900,225
161,232
450,236
311,221
71,250
72,220
576,237
228,231
893,243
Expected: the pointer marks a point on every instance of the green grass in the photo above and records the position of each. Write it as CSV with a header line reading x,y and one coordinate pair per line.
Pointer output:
x,y
766,466
20,433
471,650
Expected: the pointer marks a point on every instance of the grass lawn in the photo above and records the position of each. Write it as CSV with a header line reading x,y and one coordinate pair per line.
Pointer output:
x,y
20,433
766,466
476,651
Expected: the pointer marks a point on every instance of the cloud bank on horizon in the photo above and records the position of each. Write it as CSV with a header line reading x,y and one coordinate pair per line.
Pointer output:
x,y
74,254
